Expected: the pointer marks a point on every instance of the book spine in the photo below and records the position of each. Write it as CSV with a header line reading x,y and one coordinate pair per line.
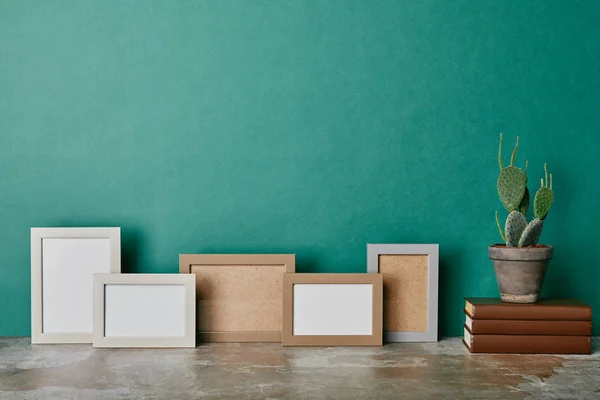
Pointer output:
x,y
524,312
512,327
530,344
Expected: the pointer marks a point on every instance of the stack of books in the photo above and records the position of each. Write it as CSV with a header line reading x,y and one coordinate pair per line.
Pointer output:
x,y
561,326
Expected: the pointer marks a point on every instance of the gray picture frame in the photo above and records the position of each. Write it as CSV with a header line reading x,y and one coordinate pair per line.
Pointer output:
x,y
432,251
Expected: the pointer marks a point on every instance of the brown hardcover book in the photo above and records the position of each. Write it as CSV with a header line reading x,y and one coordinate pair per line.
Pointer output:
x,y
524,327
545,310
527,344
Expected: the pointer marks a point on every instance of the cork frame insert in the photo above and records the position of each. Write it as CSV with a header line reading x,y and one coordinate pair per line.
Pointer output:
x,y
410,279
239,296
370,333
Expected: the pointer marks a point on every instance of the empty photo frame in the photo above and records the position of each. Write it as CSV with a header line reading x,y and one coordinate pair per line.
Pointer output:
x,y
332,310
144,310
63,263
239,296
410,290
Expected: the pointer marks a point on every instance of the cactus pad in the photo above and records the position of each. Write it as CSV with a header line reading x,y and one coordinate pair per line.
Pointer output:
x,y
532,233
511,187
513,229
500,227
542,202
524,206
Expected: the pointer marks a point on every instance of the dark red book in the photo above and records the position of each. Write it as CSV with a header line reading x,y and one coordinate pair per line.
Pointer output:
x,y
527,327
545,310
527,344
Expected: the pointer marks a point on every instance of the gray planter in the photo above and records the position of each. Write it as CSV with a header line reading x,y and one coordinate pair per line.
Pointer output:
x,y
520,271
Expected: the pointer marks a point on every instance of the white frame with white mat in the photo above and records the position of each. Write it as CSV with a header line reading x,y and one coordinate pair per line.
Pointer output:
x,y
63,263
145,310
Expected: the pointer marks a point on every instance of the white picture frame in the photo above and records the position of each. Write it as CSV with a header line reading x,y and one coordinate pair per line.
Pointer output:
x,y
144,310
374,251
63,263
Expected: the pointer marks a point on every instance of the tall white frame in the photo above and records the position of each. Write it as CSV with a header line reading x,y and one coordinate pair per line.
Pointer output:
x,y
135,314
432,251
62,283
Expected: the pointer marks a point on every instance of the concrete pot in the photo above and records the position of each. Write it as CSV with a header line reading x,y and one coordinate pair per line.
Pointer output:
x,y
520,271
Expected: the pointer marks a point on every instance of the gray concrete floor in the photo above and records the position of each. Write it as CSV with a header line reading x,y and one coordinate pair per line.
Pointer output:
x,y
443,370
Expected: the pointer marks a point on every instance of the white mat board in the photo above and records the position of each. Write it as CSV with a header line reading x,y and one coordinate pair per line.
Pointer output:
x,y
333,309
144,310
68,268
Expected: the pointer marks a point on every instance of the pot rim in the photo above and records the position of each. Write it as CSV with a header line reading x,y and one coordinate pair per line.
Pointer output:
x,y
537,246
538,253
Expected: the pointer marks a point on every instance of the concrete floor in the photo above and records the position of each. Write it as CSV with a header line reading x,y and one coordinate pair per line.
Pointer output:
x,y
443,370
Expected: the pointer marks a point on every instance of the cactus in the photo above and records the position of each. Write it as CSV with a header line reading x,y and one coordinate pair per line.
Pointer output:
x,y
500,227
516,198
543,198
526,200
512,182
511,187
524,206
531,234
515,224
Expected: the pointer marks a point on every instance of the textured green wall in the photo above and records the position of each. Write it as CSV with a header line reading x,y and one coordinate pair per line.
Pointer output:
x,y
311,127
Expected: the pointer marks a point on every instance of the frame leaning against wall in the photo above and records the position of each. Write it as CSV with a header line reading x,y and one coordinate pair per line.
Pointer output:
x,y
338,338
72,252
141,314
252,266
375,251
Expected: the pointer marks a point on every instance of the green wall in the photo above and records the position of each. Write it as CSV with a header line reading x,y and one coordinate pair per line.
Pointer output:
x,y
311,127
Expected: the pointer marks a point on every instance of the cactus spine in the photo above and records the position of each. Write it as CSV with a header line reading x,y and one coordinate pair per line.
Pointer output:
x,y
515,197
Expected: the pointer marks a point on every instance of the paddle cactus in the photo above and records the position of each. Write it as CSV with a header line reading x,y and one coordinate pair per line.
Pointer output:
x,y
514,227
543,198
515,197
531,233
511,187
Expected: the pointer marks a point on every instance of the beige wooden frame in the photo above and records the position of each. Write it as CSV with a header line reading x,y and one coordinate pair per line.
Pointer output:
x,y
289,339
186,261
37,307
102,280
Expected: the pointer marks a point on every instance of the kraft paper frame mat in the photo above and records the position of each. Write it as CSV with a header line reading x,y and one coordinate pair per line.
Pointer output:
x,y
410,279
332,310
239,296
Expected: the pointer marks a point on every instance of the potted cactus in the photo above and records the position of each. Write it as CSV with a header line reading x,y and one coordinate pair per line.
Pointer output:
x,y
520,263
